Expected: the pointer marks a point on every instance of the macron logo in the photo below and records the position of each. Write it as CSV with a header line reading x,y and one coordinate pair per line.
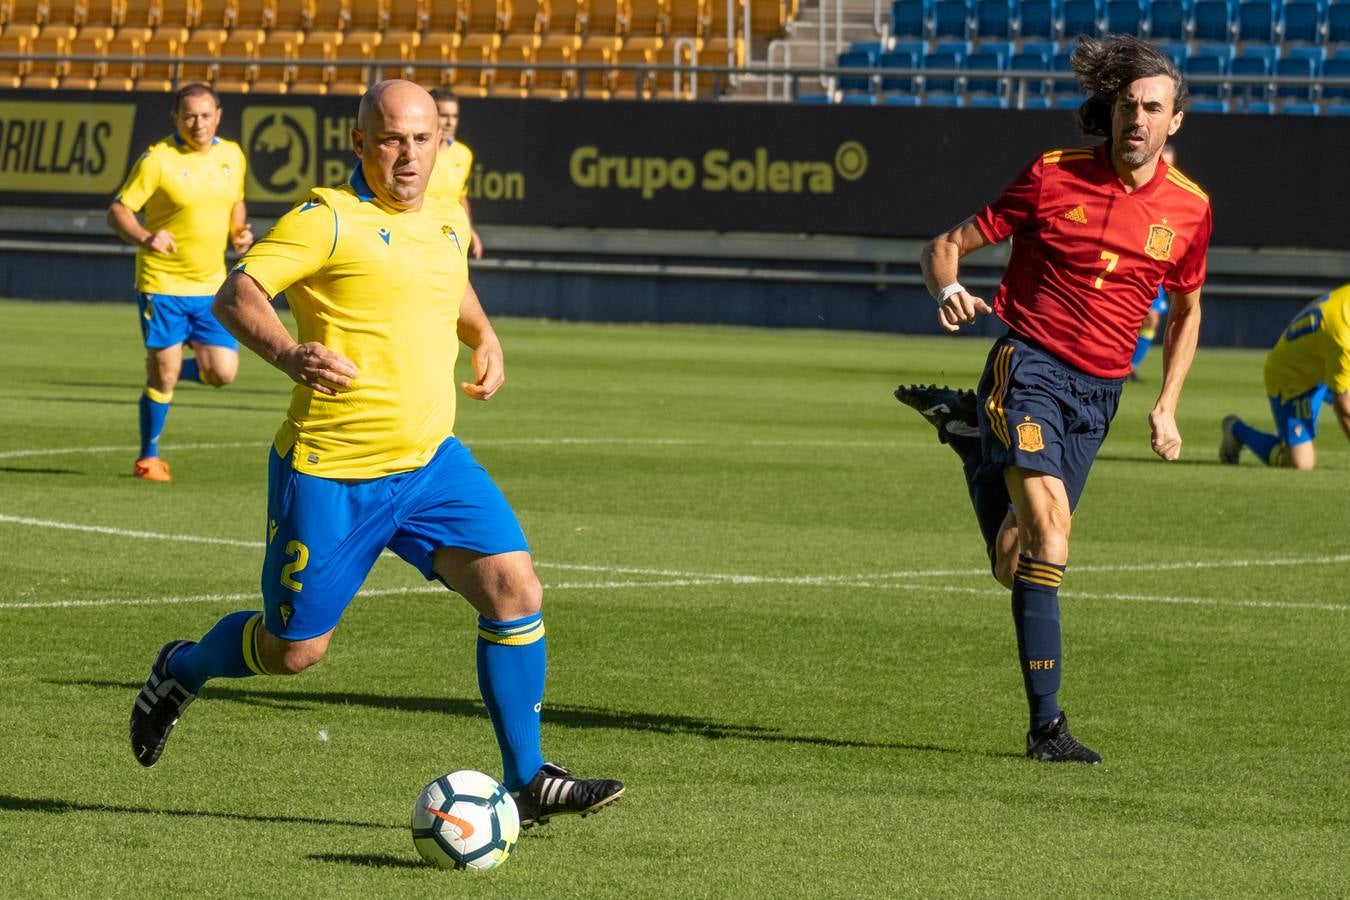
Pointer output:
x,y
384,235
309,204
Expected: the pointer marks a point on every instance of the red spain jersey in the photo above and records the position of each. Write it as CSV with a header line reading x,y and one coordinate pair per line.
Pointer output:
x,y
1088,256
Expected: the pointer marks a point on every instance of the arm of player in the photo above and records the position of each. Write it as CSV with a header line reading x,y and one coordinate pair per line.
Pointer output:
x,y
241,230
1343,411
475,242
940,260
244,308
122,220
478,335
1179,342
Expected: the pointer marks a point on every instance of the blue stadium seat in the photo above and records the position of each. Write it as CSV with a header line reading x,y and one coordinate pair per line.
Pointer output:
x,y
874,49
987,101
1260,108
1206,64
1178,52
944,84
1301,108
1213,20
1040,18
959,49
1080,17
1002,49
898,59
899,100
1043,103
1124,17
815,99
1337,109
994,18
1265,52
1068,101
909,18
1209,105
944,100
857,99
1030,87
1048,49
1303,21
1168,20
1255,67
1258,20
856,59
1337,67
984,61
1297,65
1338,23
1063,85
951,18
918,48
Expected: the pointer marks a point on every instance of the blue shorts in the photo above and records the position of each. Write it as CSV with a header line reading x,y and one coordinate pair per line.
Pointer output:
x,y
1040,413
167,320
324,534
1296,418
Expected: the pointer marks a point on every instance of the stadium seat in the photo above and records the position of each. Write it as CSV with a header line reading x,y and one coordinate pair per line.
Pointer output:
x,y
215,18
431,64
1300,108
530,17
1267,52
1125,17
951,18
943,85
848,99
237,77
1250,73
1060,63
407,15
592,80
1168,20
1178,53
121,74
768,18
289,20
1338,23
685,18
1258,20
1080,17
1068,101
60,19
255,15
607,19
1260,108
175,19
905,100
350,79
100,19
1303,21
873,49
1213,20
813,99
959,49
1301,61
1039,19
310,72
1047,49
952,100
199,61
1002,49
1027,88
994,18
1209,105
898,59
159,70
553,83
1339,108
46,73
909,18
984,61
1337,67
391,58
512,82
84,74
1206,65
855,59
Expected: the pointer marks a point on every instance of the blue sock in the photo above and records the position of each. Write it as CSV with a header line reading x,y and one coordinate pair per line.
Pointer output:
x,y
1141,347
220,653
1262,445
1035,609
511,664
190,371
154,410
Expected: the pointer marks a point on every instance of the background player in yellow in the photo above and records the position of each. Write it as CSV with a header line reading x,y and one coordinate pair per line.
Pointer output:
x,y
1310,363
376,275
454,163
191,188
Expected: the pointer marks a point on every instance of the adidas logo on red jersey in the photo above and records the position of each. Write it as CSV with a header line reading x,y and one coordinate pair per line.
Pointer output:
x,y
1077,214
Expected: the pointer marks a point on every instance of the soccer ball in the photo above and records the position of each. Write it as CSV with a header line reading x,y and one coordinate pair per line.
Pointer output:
x,y
465,820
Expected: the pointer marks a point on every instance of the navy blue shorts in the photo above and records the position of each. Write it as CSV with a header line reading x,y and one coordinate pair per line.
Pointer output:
x,y
1040,413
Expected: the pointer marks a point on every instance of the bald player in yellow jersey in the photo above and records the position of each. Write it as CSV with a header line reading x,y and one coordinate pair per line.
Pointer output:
x,y
454,163
1309,364
366,460
190,186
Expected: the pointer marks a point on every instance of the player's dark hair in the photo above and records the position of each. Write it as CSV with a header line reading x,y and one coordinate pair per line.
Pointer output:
x,y
1106,67
443,95
196,89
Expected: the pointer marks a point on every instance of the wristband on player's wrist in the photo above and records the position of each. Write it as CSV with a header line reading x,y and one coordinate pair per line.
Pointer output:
x,y
949,291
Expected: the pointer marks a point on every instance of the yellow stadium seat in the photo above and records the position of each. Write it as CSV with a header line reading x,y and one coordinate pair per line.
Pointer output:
x,y
686,18
214,20
274,66
665,82
446,15
12,70
237,77
100,19
429,65
351,79
565,18
311,72
629,83
473,80
768,17
487,15
175,18
390,59
290,18
199,61
25,19
159,74
593,81
258,15
368,16
553,84
527,16
647,17
605,21
121,74
512,82
406,15
62,19
84,74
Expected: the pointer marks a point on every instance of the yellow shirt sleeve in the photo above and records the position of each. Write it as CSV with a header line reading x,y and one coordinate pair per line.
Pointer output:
x,y
141,183
297,246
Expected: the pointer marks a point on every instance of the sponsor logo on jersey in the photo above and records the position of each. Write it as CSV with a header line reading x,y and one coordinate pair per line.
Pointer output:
x,y
1077,214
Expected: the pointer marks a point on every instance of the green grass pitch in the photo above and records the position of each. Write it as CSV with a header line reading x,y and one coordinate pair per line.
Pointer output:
x,y
768,613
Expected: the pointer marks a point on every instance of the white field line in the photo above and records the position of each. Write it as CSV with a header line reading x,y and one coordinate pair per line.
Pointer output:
x,y
674,578
487,442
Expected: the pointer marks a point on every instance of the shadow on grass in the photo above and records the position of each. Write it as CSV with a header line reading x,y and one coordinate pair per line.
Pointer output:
x,y
179,400
20,471
566,715
1153,460
233,389
10,803
369,860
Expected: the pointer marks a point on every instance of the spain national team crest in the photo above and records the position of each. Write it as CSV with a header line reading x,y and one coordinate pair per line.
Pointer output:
x,y
1029,437
1159,245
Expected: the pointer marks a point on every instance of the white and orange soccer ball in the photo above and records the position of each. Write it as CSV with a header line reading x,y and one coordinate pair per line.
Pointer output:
x,y
465,820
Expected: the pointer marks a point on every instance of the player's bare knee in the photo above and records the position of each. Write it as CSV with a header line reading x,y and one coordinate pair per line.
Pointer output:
x,y
216,377
293,659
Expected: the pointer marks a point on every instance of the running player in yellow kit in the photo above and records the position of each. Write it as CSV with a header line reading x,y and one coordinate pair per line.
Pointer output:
x,y
190,186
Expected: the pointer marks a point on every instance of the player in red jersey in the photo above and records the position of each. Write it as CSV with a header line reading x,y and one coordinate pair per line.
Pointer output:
x,y
1094,232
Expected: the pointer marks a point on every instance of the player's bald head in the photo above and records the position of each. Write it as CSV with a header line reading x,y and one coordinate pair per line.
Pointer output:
x,y
390,99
